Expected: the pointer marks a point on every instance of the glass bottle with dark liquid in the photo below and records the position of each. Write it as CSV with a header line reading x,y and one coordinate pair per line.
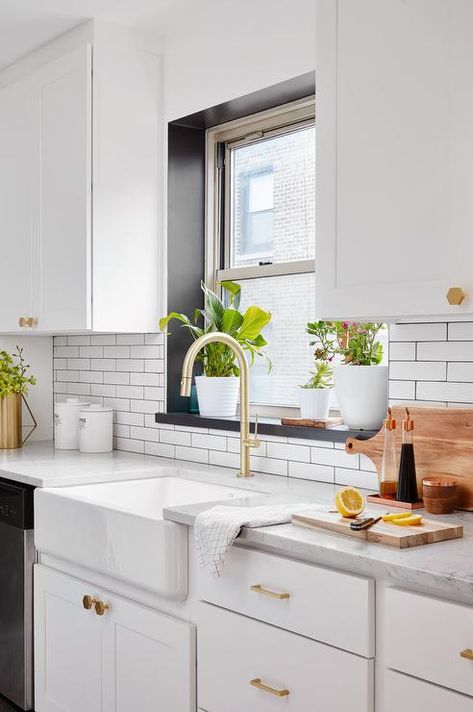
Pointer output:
x,y
407,483
389,468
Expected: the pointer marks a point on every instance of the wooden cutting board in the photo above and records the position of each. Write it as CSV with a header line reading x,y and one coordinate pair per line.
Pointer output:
x,y
429,532
309,423
443,445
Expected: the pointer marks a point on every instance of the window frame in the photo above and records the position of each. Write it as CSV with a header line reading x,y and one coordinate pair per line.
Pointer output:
x,y
220,140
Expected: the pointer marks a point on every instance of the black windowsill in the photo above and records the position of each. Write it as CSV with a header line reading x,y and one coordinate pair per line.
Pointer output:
x,y
266,426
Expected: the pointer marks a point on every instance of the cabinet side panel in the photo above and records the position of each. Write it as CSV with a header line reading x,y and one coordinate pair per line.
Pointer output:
x,y
127,160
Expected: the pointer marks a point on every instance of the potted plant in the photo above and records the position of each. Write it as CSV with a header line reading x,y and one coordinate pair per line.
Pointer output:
x,y
14,383
361,383
314,396
217,388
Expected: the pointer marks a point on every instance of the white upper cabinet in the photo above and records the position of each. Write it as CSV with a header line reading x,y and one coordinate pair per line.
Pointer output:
x,y
394,157
80,203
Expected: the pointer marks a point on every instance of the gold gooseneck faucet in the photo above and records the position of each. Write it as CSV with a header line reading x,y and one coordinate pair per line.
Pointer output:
x,y
246,442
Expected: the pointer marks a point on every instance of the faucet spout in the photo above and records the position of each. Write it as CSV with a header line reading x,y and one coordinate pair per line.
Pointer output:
x,y
246,442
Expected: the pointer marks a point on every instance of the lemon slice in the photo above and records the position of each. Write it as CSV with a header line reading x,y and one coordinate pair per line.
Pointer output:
x,y
396,515
349,502
413,521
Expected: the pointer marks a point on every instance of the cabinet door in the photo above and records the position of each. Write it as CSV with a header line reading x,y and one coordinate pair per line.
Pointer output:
x,y
148,660
68,646
18,202
62,274
394,157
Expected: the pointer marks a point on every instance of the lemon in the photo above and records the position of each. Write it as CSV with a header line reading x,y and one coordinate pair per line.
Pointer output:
x,y
349,502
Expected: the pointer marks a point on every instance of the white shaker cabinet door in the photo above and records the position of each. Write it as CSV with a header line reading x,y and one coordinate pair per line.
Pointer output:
x,y
394,157
62,275
68,645
18,203
148,659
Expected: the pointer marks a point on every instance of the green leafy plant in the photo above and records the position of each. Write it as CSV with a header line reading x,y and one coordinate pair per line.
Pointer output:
x,y
357,343
218,359
13,374
326,345
322,377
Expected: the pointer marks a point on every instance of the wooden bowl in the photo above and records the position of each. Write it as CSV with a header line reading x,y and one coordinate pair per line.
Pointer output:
x,y
439,493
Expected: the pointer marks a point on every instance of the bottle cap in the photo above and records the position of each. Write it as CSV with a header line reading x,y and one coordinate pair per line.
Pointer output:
x,y
408,423
389,422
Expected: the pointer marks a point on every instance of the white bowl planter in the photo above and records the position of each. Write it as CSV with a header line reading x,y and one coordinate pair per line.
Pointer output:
x,y
362,394
314,403
217,396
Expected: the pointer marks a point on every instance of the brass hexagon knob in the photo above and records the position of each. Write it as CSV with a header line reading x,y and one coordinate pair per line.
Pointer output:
x,y
455,296
101,607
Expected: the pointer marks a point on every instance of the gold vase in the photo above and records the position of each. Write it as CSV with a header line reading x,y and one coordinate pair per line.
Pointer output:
x,y
11,431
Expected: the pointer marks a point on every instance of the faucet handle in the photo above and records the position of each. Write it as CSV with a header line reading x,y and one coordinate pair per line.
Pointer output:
x,y
254,442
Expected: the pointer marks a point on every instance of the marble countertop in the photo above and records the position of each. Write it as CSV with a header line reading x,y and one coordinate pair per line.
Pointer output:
x,y
445,566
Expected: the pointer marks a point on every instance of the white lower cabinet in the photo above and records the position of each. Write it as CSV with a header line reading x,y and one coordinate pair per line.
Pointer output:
x,y
403,692
130,658
244,664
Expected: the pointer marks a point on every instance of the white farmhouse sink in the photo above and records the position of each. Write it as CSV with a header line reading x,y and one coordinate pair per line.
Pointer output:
x,y
117,528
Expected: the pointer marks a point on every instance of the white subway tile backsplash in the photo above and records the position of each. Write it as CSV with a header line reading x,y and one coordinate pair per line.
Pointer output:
x,y
402,389
129,339
445,351
418,370
429,363
460,372
418,332
102,364
116,352
211,442
402,352
305,471
336,458
356,478
192,454
103,339
174,437
460,331
147,351
91,351
299,453
446,391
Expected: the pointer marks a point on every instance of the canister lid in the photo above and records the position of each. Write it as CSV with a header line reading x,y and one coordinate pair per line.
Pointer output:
x,y
97,408
73,402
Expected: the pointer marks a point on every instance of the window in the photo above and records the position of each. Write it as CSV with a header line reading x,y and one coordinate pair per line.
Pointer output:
x,y
261,228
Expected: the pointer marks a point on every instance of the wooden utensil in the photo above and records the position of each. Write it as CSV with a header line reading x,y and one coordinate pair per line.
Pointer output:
x,y
429,532
443,444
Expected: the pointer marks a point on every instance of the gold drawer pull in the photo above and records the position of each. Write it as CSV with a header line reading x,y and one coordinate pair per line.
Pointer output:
x,y
267,688
258,588
88,602
101,607
468,654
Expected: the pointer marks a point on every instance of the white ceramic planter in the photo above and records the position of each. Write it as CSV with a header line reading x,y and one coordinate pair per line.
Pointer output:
x,y
314,403
362,394
217,396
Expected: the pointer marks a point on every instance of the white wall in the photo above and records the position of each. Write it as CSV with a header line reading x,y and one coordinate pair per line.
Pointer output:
x,y
38,353
224,49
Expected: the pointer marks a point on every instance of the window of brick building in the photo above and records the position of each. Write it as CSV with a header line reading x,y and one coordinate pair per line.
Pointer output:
x,y
261,234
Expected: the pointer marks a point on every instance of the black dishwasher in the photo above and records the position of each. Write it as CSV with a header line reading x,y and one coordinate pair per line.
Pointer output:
x,y
17,557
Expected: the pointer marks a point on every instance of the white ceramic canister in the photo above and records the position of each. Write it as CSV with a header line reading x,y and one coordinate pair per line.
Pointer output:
x,y
96,429
66,423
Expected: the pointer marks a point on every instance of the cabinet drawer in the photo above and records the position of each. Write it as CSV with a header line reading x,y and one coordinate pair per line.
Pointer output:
x,y
326,605
425,636
243,664
402,692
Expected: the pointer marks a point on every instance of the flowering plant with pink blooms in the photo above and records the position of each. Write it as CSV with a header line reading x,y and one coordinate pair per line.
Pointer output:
x,y
357,343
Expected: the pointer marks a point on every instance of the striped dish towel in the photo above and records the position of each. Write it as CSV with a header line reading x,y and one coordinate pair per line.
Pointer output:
x,y
216,529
